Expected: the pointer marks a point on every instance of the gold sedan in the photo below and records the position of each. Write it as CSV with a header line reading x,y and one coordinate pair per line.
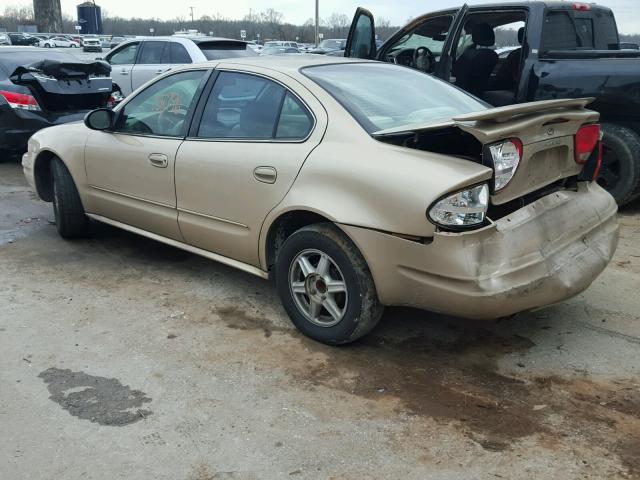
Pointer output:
x,y
354,184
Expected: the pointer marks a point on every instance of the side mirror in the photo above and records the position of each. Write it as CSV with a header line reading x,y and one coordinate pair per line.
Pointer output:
x,y
100,119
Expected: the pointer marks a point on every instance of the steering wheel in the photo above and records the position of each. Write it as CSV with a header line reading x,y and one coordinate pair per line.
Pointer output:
x,y
424,59
171,117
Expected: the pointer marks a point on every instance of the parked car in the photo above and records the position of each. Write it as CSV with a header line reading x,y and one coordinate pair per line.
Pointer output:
x,y
330,45
353,184
4,40
115,41
278,50
22,39
569,50
36,93
137,61
55,42
278,43
91,44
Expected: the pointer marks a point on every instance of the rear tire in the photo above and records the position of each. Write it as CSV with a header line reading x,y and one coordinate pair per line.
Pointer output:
x,y
71,220
620,172
325,285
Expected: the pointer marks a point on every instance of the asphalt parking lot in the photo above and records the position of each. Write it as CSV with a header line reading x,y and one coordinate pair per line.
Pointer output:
x,y
125,358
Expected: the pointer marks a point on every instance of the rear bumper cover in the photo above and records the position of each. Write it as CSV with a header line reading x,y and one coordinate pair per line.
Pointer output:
x,y
541,254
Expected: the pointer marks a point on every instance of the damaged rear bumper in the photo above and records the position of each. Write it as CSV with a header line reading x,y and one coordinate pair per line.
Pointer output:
x,y
541,254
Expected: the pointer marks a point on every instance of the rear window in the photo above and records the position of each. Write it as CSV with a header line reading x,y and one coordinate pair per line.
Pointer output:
x,y
220,50
383,96
11,60
579,30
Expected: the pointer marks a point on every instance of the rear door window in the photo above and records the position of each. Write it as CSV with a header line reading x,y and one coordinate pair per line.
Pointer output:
x,y
178,54
154,53
242,106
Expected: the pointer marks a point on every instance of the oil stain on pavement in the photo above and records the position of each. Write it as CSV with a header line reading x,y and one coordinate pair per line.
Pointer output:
x,y
98,399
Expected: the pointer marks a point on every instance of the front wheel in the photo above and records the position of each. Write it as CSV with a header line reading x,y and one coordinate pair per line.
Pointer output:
x,y
325,285
620,172
71,221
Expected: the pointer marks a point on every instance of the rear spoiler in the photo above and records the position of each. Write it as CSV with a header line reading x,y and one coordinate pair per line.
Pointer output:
x,y
504,114
62,70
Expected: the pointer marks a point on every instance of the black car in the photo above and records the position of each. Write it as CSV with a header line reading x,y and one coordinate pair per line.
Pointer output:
x,y
565,50
40,88
22,39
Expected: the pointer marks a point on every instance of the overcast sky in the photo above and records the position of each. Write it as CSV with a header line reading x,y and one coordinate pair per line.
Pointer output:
x,y
627,12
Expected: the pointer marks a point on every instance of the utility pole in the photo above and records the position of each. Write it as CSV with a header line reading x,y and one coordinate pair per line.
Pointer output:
x,y
317,35
191,14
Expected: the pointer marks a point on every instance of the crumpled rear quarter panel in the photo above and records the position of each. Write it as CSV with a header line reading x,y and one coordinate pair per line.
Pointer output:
x,y
541,254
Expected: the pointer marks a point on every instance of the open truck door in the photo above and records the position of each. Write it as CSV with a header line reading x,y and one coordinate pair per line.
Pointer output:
x,y
445,64
361,42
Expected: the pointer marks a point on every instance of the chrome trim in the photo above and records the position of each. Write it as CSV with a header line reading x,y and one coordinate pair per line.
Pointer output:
x,y
160,204
211,217
183,246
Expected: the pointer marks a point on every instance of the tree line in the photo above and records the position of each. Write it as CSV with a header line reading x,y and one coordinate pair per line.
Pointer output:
x,y
269,24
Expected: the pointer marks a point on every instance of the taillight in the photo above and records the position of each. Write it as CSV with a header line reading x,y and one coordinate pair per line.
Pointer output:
x,y
587,139
505,157
20,101
581,7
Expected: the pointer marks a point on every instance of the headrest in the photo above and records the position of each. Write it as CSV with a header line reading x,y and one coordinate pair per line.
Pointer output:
x,y
483,35
521,35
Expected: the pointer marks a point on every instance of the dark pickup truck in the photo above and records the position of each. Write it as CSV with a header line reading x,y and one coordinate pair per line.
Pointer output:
x,y
567,50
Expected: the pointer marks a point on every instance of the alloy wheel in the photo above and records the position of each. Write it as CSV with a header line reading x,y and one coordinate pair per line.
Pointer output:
x,y
318,288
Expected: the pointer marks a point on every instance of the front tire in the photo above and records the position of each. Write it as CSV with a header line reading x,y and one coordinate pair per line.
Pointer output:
x,y
325,285
71,220
620,172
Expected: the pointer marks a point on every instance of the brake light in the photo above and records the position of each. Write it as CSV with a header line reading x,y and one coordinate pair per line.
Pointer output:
x,y
587,139
20,101
506,157
581,7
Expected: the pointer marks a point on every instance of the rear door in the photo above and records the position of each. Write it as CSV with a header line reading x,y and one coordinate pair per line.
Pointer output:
x,y
361,42
154,59
241,158
122,61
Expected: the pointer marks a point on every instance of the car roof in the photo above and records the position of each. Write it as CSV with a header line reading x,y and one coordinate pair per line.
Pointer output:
x,y
285,64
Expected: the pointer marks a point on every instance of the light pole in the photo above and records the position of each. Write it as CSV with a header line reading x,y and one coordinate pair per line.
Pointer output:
x,y
317,33
191,14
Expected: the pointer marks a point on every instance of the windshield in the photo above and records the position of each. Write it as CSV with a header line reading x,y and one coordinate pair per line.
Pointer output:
x,y
333,44
382,96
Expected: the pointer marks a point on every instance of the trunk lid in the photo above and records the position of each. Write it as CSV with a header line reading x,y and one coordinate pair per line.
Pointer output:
x,y
546,129
64,86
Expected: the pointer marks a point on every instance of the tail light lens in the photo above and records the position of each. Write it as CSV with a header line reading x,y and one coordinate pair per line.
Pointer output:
x,y
587,139
466,208
581,7
20,101
506,157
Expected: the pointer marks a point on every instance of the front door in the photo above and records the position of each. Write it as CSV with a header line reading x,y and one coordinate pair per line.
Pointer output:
x,y
131,168
240,160
361,42
122,61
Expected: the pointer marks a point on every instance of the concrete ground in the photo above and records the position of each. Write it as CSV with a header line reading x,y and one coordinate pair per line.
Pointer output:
x,y
124,358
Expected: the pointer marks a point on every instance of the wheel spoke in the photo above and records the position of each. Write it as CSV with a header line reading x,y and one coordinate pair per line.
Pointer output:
x,y
330,305
323,265
336,286
298,287
305,266
314,309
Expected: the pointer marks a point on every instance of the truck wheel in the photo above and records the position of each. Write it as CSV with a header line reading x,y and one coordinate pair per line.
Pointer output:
x,y
325,285
71,221
620,172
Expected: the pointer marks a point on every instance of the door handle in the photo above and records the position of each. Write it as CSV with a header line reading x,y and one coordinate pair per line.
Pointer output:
x,y
265,174
162,70
124,72
158,160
